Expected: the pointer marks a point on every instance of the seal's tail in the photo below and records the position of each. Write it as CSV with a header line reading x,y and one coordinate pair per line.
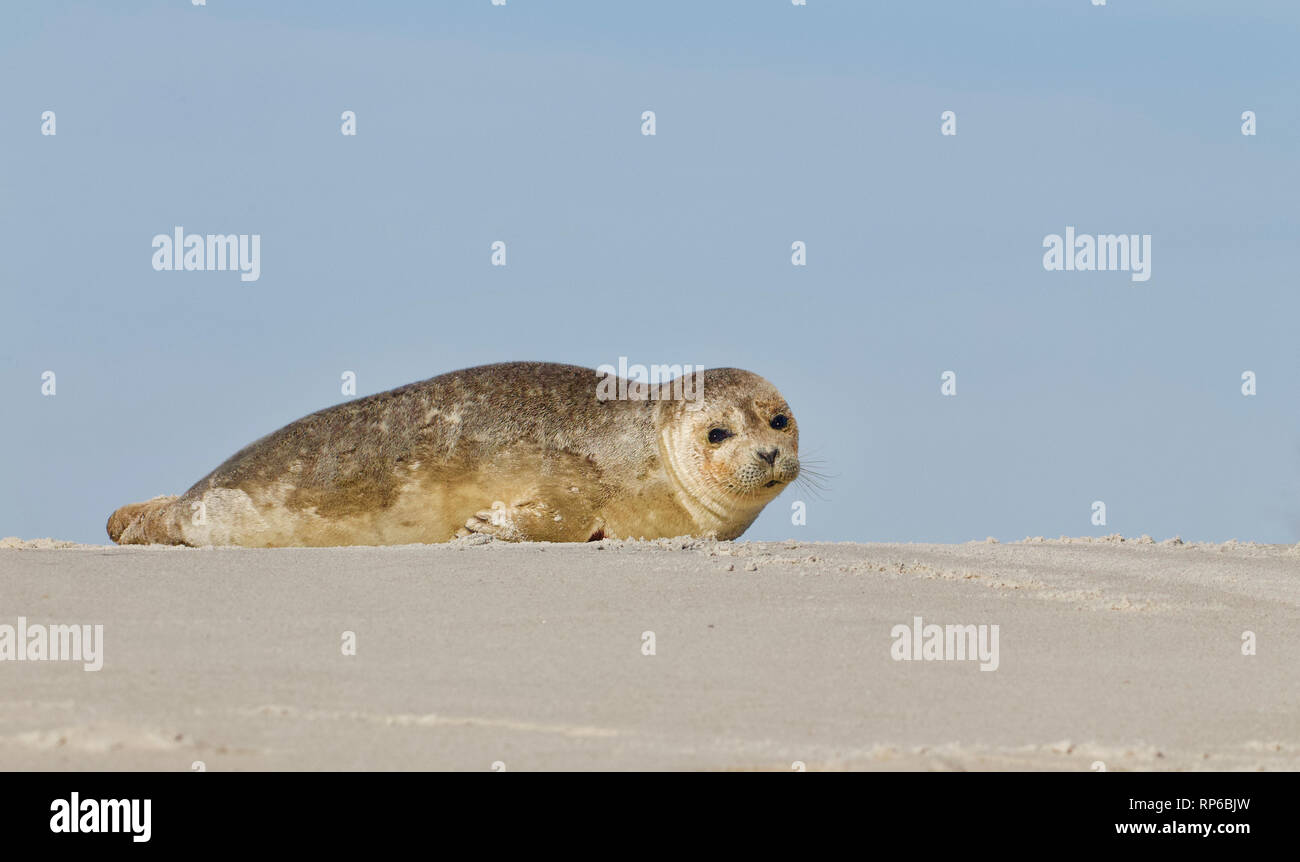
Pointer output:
x,y
147,523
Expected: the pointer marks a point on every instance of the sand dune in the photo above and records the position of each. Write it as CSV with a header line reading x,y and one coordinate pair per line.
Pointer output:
x,y
1123,653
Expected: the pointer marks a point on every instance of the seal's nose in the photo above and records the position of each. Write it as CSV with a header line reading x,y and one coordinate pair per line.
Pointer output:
x,y
769,457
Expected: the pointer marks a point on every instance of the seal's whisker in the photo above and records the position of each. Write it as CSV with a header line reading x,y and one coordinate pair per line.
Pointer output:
x,y
813,490
813,480
813,475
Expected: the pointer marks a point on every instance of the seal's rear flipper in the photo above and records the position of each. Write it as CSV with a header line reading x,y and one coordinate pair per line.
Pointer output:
x,y
150,522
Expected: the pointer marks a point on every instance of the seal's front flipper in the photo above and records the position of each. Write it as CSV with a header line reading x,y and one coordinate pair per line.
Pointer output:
x,y
529,521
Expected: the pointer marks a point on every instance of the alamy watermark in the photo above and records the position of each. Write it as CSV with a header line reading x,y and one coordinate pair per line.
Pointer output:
x,y
213,252
37,642
1084,253
653,383
75,814
945,643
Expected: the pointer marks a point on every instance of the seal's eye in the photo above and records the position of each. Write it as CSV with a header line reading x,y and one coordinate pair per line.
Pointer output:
x,y
779,421
717,435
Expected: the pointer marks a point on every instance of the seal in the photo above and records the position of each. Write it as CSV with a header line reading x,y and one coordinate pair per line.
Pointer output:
x,y
522,451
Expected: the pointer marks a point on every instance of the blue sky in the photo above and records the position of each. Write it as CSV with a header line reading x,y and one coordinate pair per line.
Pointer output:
x,y
775,123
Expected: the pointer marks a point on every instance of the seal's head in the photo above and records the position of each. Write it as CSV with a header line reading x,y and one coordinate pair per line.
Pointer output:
x,y
735,446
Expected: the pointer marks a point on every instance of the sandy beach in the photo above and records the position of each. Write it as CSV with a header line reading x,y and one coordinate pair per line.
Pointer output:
x,y
481,654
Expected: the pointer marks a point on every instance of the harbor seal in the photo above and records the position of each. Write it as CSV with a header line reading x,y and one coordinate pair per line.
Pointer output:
x,y
522,451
